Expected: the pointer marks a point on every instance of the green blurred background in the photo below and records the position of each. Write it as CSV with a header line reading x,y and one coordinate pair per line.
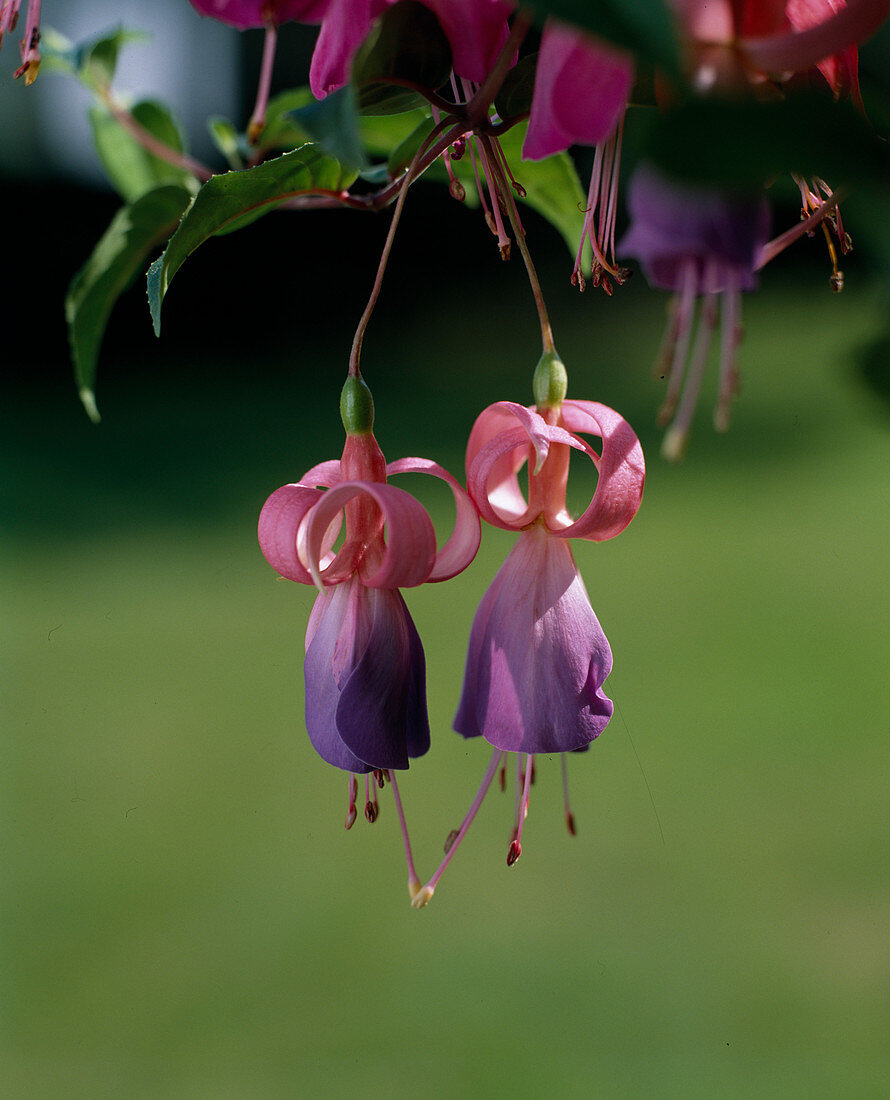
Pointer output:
x,y
185,915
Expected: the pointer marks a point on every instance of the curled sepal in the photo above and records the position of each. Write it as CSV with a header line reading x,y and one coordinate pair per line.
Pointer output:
x,y
497,449
463,543
621,469
407,554
279,526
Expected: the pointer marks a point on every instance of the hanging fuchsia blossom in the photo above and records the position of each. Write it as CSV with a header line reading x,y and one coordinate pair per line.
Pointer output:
x,y
476,31
538,658
9,14
700,244
580,96
364,668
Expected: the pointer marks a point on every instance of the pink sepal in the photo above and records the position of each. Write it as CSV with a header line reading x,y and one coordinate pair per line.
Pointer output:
x,y
621,469
580,92
410,548
279,525
325,474
463,544
496,452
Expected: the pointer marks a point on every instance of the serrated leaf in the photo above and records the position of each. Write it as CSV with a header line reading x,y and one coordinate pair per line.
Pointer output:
x,y
115,262
230,201
644,27
406,49
93,62
130,167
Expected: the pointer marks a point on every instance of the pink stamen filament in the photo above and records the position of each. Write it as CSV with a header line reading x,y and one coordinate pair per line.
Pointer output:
x,y
730,336
503,239
515,849
681,329
413,880
674,443
426,892
351,813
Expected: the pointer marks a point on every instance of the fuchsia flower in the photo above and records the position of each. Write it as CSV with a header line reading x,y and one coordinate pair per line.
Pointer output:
x,y
538,657
364,669
475,29
580,96
9,14
698,243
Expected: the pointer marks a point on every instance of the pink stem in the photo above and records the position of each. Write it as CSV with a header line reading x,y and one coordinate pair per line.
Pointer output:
x,y
152,144
258,118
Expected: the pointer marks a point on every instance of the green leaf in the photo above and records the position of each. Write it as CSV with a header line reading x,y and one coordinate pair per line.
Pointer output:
x,y
130,167
115,262
383,134
406,150
282,130
228,141
332,123
742,146
645,27
230,201
93,62
405,50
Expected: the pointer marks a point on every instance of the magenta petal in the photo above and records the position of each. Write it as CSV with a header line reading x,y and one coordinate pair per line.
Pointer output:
x,y
343,29
476,30
279,526
581,89
365,680
410,538
258,13
621,471
537,657
462,546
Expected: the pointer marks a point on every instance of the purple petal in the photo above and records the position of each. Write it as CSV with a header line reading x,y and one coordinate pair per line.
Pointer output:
x,y
365,680
537,657
673,222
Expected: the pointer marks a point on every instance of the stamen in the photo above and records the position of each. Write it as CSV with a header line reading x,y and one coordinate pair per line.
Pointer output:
x,y
424,894
680,333
515,849
351,813
413,880
730,338
503,240
570,817
600,217
372,807
455,187
673,446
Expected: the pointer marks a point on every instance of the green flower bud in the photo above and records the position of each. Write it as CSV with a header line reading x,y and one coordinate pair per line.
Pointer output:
x,y
356,407
550,381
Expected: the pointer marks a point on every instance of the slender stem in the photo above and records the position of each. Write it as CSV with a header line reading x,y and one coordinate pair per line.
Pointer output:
x,y
149,142
778,244
513,215
258,118
426,892
413,880
355,353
